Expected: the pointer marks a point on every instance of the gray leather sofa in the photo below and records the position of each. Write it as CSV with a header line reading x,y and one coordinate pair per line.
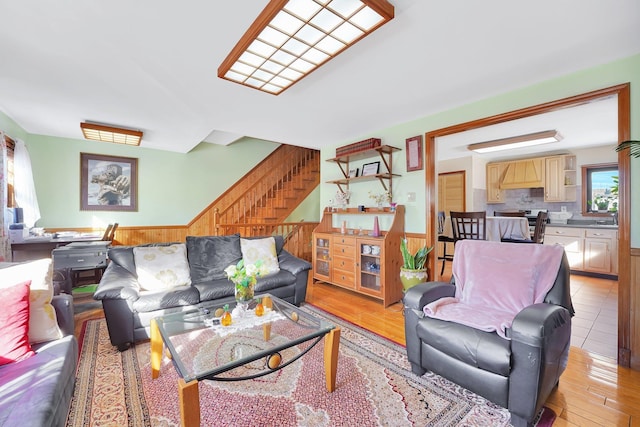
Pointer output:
x,y
129,311
517,374
37,391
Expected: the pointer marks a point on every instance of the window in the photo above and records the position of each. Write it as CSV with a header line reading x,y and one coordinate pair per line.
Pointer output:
x,y
600,188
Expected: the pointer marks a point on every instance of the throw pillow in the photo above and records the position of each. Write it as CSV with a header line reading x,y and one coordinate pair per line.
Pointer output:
x,y
43,323
162,267
254,250
210,255
14,324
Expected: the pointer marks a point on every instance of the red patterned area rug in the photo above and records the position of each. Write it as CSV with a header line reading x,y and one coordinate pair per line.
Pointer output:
x,y
375,387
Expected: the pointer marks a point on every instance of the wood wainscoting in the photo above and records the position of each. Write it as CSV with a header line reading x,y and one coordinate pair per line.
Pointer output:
x,y
297,235
414,242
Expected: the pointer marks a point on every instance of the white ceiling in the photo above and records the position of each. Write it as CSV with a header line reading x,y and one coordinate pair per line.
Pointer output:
x,y
152,65
588,125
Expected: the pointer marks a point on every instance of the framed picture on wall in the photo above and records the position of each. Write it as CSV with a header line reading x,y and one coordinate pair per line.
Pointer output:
x,y
108,183
414,153
372,168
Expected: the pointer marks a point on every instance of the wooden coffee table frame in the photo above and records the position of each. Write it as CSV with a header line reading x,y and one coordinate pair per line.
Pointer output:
x,y
188,392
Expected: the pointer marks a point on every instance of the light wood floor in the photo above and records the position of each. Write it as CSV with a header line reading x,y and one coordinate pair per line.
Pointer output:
x,y
593,391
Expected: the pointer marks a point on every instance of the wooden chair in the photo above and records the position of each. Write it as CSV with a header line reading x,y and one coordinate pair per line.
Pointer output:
x,y
112,234
541,225
469,225
444,239
538,233
107,232
509,214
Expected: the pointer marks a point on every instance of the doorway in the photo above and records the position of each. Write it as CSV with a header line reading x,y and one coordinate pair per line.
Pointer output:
x,y
622,92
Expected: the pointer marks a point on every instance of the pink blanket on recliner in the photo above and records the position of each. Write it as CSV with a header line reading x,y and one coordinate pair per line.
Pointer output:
x,y
495,281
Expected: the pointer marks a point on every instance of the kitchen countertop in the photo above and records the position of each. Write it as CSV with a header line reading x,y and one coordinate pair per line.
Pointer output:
x,y
585,224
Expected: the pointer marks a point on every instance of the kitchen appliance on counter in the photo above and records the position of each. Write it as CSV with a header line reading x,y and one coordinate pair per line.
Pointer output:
x,y
559,217
532,215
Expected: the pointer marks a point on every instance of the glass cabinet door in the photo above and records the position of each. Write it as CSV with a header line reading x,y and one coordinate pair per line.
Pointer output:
x,y
322,257
370,266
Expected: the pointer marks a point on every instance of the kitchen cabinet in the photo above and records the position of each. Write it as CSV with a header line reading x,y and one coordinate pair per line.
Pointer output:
x,y
356,260
572,239
527,173
385,173
494,176
560,179
592,249
601,251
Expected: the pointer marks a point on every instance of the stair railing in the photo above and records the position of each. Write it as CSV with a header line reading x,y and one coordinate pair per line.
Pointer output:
x,y
268,193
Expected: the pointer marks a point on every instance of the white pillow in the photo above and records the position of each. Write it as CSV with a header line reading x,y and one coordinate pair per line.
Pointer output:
x,y
254,250
162,267
43,323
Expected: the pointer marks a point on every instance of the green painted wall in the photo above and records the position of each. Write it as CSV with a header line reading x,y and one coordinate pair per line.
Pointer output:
x,y
308,210
618,72
11,128
172,187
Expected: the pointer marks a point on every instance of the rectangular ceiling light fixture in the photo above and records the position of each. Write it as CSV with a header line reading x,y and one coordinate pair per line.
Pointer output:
x,y
291,38
528,140
111,134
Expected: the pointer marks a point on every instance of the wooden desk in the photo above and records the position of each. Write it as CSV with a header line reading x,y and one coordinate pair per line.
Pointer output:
x,y
39,247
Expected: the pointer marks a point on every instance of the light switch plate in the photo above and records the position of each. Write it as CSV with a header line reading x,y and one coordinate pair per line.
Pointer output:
x,y
411,197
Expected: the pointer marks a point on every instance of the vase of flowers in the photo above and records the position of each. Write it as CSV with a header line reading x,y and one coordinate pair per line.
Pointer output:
x,y
380,198
244,277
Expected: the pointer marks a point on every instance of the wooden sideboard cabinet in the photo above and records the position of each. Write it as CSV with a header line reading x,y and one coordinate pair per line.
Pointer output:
x,y
360,262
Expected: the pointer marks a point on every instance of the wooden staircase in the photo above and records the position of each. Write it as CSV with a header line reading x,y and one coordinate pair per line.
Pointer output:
x,y
267,195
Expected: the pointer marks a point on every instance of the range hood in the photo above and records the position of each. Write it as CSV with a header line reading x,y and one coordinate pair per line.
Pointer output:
x,y
523,174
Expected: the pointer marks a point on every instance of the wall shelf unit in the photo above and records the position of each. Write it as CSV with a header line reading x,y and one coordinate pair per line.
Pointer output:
x,y
384,176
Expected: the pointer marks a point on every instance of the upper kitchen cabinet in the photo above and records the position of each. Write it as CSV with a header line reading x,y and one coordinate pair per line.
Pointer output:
x,y
560,179
556,174
494,176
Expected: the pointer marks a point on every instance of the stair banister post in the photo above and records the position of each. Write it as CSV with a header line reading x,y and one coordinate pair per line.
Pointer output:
x,y
216,221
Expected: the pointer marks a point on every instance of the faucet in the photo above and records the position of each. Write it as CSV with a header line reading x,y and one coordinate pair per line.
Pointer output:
x,y
615,218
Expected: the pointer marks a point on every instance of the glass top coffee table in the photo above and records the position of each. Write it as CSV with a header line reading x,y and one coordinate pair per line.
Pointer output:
x,y
252,346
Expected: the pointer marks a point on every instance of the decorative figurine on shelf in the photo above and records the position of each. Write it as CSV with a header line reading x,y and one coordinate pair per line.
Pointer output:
x,y
376,227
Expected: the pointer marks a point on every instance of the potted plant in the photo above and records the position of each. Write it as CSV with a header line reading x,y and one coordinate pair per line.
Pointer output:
x,y
413,269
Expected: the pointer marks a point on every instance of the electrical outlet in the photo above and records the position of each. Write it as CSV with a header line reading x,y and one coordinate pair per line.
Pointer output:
x,y
563,208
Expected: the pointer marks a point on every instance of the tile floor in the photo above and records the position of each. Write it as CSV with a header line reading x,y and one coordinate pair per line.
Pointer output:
x,y
595,325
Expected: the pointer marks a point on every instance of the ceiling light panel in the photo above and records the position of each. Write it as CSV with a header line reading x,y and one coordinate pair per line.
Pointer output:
x,y
291,38
116,135
520,141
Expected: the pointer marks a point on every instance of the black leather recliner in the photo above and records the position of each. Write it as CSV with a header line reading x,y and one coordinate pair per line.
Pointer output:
x,y
518,374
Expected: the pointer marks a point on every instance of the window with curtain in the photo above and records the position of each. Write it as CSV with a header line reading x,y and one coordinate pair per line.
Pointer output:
x,y
11,198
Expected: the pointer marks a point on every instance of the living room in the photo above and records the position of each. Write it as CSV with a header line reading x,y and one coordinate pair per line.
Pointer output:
x,y
175,186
